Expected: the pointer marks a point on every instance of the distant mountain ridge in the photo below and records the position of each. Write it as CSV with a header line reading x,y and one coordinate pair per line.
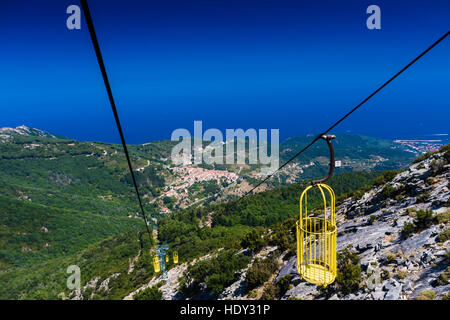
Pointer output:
x,y
27,131
356,153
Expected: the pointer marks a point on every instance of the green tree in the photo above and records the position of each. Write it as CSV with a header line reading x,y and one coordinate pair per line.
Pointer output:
x,y
349,272
151,293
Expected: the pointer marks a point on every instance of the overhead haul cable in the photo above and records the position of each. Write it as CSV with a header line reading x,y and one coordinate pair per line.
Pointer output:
x,y
101,64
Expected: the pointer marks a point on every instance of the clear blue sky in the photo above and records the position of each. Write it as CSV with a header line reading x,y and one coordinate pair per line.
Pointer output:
x,y
291,65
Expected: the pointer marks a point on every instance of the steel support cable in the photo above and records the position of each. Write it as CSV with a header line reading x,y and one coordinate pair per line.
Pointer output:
x,y
101,64
349,113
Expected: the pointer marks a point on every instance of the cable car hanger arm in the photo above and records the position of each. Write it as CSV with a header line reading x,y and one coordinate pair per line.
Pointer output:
x,y
327,138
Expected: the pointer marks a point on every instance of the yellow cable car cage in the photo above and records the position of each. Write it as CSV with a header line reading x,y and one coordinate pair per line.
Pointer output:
x,y
175,257
156,264
316,240
316,233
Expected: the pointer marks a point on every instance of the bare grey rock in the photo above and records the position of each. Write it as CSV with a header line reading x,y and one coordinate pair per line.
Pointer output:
x,y
417,241
393,289
378,295
290,268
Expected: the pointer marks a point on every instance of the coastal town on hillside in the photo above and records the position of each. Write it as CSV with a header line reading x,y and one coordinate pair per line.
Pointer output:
x,y
420,146
190,175
186,177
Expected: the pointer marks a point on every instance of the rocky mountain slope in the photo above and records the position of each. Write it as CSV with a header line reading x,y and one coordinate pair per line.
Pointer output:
x,y
6,133
400,231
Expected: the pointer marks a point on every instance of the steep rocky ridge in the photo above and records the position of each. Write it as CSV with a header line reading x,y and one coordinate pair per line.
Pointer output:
x,y
374,227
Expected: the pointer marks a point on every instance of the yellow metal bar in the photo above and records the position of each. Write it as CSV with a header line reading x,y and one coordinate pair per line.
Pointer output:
x,y
334,234
324,217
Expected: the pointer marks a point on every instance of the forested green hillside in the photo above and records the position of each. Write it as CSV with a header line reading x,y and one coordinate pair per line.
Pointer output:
x,y
58,196
47,280
31,233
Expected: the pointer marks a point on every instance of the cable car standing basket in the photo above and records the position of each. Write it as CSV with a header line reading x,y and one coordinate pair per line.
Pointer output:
x,y
316,233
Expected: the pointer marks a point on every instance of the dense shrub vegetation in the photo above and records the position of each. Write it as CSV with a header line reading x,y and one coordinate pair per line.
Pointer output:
x,y
274,291
151,293
444,235
426,295
216,273
253,240
422,221
260,272
349,272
